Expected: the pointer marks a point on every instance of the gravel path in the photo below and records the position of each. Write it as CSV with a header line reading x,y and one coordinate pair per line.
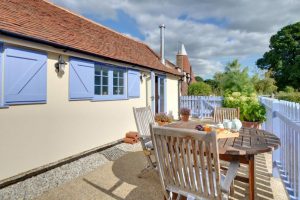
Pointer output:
x,y
35,186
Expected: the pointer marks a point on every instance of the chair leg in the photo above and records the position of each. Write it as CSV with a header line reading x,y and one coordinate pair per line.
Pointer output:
x,y
225,197
232,189
144,171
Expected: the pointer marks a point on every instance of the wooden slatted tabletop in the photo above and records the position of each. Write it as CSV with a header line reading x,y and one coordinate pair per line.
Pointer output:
x,y
250,142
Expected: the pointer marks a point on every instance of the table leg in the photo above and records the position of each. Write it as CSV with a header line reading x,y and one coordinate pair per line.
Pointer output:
x,y
251,177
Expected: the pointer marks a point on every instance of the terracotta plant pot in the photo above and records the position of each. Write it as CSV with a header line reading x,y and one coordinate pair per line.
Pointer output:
x,y
185,118
251,124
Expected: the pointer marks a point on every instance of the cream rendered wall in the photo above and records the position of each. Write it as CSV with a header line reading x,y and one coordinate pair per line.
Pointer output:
x,y
172,95
35,135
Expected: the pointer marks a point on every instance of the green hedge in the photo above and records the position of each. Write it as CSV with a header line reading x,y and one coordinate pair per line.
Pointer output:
x,y
289,96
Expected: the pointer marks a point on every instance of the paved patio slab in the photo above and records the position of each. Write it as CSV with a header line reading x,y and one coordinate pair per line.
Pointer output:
x,y
117,179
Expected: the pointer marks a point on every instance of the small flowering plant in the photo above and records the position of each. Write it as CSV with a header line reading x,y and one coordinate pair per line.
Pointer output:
x,y
185,111
250,108
162,117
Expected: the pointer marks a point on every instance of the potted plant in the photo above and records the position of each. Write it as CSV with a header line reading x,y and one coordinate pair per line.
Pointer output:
x,y
185,114
162,119
252,113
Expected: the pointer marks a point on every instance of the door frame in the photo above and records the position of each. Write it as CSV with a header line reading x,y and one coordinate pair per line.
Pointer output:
x,y
155,100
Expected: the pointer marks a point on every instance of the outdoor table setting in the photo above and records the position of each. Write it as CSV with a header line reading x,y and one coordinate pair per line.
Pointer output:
x,y
236,143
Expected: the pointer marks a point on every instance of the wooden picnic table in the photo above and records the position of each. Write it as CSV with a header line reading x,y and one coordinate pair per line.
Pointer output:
x,y
250,142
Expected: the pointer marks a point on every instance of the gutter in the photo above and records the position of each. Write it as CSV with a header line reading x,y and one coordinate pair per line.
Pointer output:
x,y
67,48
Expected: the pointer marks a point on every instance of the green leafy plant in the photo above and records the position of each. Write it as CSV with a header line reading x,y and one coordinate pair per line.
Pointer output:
x,y
250,108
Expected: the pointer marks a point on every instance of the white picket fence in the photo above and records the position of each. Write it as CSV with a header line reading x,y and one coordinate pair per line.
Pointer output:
x,y
201,106
283,119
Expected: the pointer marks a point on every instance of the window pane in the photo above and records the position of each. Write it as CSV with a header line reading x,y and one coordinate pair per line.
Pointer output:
x,y
116,90
97,80
97,90
104,90
121,82
115,81
115,73
97,70
121,74
105,72
121,90
104,80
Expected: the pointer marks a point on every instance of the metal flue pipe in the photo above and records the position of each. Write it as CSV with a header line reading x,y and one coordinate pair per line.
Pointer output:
x,y
162,43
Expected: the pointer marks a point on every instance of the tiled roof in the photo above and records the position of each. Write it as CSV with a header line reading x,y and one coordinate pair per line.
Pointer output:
x,y
45,21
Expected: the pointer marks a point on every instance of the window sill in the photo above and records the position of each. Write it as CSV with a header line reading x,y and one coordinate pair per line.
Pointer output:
x,y
109,98
133,97
7,104
4,106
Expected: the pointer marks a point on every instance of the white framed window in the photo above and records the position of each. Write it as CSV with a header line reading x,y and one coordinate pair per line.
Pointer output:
x,y
110,82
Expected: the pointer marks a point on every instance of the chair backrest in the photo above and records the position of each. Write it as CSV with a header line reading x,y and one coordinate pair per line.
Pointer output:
x,y
188,161
221,113
143,118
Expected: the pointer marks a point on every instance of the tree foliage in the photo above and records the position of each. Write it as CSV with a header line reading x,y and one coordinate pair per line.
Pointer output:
x,y
283,58
235,79
214,85
199,89
199,79
265,85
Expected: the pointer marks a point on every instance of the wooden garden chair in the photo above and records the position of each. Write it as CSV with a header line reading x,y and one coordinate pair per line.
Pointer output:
x,y
188,163
221,113
143,118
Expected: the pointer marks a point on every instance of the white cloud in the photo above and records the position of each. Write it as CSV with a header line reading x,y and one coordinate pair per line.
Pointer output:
x,y
243,30
207,68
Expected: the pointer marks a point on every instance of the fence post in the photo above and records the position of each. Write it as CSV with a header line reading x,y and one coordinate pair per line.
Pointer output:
x,y
201,106
276,131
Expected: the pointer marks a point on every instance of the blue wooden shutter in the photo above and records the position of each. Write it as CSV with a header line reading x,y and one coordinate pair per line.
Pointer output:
x,y
1,71
25,79
81,79
133,83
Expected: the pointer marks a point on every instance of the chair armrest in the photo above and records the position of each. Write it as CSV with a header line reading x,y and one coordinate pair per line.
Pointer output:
x,y
230,175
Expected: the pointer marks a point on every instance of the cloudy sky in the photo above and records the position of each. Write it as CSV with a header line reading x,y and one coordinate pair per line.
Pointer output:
x,y
214,31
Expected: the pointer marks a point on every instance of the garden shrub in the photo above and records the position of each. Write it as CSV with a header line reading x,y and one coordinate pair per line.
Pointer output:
x,y
289,96
250,108
289,89
199,89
